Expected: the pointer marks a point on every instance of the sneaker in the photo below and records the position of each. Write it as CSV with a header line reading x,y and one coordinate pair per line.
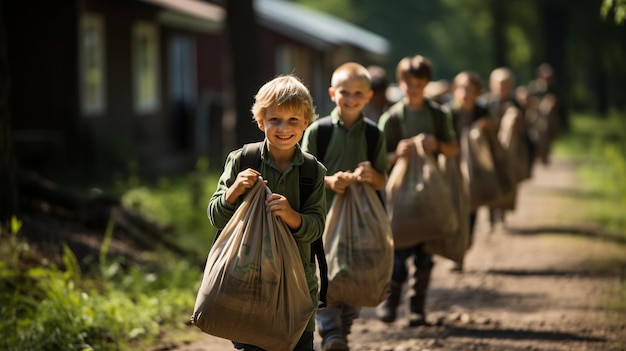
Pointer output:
x,y
386,313
335,343
417,319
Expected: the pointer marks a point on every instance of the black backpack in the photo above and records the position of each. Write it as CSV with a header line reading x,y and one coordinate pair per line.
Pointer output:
x,y
372,133
325,131
251,158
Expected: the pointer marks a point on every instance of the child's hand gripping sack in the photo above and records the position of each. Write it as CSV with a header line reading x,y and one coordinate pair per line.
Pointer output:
x,y
419,201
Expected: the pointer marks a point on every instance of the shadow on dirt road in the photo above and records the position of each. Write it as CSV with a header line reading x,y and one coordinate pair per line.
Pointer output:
x,y
538,283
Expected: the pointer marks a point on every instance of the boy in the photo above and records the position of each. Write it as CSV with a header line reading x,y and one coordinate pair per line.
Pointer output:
x,y
346,158
283,108
501,102
378,102
467,113
413,115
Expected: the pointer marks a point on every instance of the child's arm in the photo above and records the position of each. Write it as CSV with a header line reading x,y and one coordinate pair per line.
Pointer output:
x,y
431,145
339,181
230,187
279,205
244,181
367,174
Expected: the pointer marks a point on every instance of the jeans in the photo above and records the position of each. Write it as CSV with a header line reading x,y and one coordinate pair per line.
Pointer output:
x,y
421,259
333,321
304,344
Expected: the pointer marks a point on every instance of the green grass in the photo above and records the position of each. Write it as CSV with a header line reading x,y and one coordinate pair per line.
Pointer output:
x,y
598,147
44,307
180,202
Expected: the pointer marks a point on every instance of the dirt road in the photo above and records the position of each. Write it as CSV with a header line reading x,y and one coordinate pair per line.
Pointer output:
x,y
539,283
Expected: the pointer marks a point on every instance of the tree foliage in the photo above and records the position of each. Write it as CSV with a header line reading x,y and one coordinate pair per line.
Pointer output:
x,y
617,7
587,51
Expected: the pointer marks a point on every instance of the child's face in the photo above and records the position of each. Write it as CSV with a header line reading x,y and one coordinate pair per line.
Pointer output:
x,y
413,88
465,93
283,128
351,96
502,88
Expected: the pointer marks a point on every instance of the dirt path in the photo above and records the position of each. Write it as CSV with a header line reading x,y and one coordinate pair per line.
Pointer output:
x,y
539,283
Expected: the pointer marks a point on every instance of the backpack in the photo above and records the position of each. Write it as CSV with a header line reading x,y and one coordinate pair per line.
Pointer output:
x,y
325,130
251,158
372,133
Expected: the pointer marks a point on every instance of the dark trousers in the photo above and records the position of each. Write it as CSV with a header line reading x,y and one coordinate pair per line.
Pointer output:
x,y
304,344
418,286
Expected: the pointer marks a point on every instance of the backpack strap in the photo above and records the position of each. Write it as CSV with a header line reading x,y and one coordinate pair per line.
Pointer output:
x,y
250,156
325,132
372,133
308,174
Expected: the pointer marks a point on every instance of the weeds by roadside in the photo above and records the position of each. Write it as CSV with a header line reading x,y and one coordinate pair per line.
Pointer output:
x,y
599,147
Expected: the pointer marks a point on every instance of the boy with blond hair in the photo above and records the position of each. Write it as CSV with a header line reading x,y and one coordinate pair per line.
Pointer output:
x,y
353,150
283,108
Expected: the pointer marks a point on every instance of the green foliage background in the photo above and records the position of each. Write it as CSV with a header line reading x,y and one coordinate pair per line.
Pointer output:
x,y
462,34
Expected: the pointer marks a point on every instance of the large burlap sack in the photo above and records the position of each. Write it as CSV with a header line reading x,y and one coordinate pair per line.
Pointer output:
x,y
480,168
359,248
509,164
454,246
511,138
254,289
418,200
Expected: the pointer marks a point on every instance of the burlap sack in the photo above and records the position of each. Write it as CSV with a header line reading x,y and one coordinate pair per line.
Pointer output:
x,y
511,138
359,248
418,200
481,174
454,246
254,289
509,164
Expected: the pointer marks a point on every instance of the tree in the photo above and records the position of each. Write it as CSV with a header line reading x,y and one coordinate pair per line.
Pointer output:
x,y
245,58
618,7
8,182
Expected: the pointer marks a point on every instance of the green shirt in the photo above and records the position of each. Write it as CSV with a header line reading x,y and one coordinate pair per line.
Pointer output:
x,y
286,183
399,123
346,148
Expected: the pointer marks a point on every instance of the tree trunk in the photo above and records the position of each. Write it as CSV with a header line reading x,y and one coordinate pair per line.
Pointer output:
x,y
499,32
554,22
8,165
245,58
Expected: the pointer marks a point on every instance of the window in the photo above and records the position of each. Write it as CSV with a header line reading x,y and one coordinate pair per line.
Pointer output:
x,y
145,67
291,59
92,65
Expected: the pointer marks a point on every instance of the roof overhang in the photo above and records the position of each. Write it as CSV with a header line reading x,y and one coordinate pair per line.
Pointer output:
x,y
319,30
190,14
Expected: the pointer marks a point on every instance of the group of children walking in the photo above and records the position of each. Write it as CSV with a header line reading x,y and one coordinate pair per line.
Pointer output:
x,y
284,111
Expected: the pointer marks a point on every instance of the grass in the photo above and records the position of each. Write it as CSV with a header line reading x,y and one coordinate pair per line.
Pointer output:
x,y
598,147
122,305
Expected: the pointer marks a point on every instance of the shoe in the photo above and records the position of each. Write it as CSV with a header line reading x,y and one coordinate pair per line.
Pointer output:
x,y
335,344
417,319
386,311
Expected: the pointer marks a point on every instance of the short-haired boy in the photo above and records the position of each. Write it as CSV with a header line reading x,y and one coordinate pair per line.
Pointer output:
x,y
413,115
467,113
283,108
346,159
